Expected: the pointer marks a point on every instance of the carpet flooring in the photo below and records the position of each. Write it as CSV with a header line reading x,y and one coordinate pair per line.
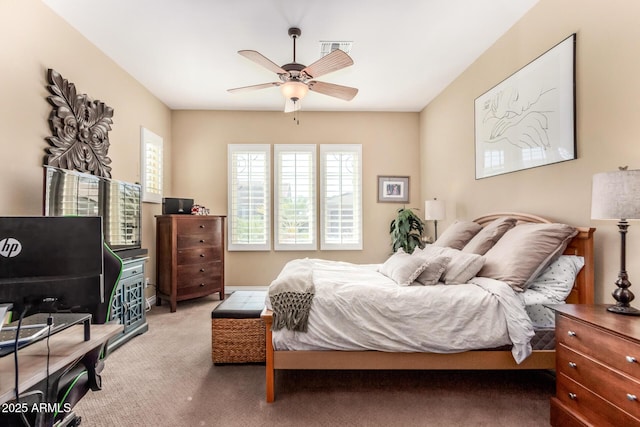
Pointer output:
x,y
165,377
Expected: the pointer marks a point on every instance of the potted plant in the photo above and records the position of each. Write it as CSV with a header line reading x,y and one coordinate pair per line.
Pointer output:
x,y
406,231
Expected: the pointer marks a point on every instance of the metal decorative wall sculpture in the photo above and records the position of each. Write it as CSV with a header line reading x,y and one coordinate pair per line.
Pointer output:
x,y
80,129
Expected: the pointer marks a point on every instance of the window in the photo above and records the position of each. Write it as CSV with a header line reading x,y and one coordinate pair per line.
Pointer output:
x,y
341,197
151,166
295,197
249,179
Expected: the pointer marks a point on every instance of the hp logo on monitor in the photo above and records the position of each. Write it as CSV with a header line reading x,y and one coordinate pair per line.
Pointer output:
x,y
10,247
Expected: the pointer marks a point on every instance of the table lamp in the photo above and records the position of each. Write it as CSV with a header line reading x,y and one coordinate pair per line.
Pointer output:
x,y
616,195
434,210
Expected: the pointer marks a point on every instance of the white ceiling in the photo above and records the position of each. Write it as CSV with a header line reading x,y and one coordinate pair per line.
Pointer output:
x,y
185,52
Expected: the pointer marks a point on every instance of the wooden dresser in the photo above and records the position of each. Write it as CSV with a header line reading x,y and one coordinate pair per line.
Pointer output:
x,y
189,257
597,367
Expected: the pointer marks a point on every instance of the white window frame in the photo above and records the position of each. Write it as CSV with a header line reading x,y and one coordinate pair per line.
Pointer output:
x,y
278,197
356,150
151,166
232,243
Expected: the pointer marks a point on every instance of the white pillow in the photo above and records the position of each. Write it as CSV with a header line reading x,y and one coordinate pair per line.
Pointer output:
x,y
433,271
403,268
557,280
460,269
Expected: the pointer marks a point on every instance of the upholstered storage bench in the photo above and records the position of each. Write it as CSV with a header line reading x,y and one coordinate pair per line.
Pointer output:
x,y
237,331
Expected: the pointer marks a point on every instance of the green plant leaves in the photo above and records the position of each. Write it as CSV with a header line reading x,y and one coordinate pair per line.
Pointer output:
x,y
406,231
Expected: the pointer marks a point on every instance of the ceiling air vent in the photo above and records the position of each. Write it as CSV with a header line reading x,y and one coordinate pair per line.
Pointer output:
x,y
328,47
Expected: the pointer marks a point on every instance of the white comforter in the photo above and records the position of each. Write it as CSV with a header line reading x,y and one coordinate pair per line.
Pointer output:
x,y
357,308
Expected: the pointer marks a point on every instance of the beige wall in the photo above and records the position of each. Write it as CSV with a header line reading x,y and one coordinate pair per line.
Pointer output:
x,y
608,102
389,141
33,40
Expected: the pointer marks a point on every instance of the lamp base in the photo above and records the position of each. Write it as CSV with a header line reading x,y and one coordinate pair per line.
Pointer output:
x,y
621,309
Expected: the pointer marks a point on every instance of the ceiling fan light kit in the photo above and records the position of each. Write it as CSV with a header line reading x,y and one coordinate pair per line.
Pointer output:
x,y
296,79
294,90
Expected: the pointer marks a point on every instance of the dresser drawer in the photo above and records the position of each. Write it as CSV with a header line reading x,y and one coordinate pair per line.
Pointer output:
x,y
610,349
591,406
615,387
198,289
197,255
198,225
198,273
132,269
186,241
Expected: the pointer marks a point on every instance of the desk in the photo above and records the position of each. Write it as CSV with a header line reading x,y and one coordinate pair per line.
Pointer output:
x,y
66,349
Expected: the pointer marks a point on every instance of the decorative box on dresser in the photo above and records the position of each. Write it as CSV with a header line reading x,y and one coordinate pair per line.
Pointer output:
x,y
189,257
597,367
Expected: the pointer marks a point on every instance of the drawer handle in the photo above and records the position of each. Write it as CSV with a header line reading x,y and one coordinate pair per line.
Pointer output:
x,y
631,397
134,272
201,255
202,285
201,240
571,333
202,226
573,396
573,365
202,270
631,359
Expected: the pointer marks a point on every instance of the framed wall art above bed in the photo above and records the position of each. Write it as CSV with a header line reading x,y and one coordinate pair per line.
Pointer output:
x,y
528,120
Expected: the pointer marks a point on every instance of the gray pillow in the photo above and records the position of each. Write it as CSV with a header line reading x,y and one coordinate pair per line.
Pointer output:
x,y
403,268
524,251
489,235
458,234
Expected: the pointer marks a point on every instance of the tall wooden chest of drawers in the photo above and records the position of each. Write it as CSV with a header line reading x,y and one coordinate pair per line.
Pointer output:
x,y
597,367
189,257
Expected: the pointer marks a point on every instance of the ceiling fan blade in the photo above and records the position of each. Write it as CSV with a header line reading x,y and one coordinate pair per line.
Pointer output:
x,y
343,92
290,106
334,61
260,59
253,87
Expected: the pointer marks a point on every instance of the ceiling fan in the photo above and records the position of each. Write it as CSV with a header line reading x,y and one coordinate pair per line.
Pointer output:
x,y
297,79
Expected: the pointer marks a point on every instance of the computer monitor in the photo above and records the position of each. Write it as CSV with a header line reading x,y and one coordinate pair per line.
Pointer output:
x,y
51,263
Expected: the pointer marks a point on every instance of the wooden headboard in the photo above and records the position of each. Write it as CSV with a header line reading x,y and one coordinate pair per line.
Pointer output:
x,y
581,245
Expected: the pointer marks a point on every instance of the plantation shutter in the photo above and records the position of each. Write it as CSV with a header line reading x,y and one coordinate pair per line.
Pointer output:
x,y
249,210
295,197
341,197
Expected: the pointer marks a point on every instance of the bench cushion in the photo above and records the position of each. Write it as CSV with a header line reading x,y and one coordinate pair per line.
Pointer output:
x,y
241,305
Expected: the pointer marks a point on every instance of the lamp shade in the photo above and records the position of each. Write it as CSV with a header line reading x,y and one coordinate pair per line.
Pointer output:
x,y
294,90
616,195
434,210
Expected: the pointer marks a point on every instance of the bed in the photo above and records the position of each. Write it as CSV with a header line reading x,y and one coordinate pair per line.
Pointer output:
x,y
502,358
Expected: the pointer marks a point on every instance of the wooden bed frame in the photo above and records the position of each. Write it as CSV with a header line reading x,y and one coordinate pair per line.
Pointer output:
x,y
582,293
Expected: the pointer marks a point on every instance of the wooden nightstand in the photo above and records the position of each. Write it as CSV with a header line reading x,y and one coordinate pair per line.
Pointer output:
x,y
597,367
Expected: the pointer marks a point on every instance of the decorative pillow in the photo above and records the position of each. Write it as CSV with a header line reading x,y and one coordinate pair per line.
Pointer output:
x,y
403,268
557,280
461,267
489,235
433,272
524,251
458,234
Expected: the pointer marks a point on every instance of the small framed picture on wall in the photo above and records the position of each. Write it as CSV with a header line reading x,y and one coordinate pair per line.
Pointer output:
x,y
394,189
